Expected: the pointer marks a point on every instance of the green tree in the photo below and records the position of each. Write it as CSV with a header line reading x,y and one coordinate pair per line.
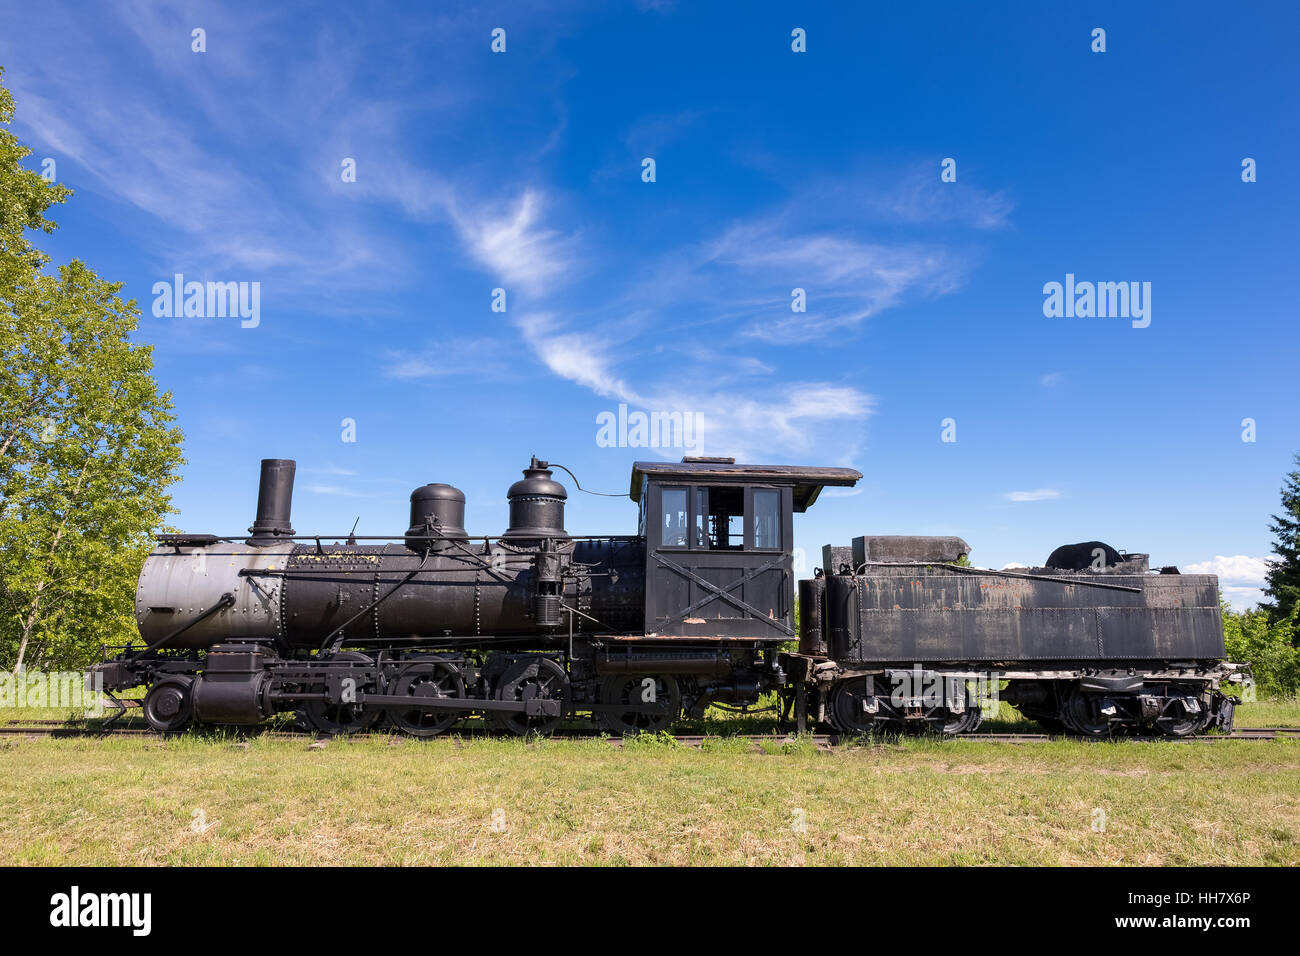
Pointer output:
x,y
1267,646
86,445
1284,571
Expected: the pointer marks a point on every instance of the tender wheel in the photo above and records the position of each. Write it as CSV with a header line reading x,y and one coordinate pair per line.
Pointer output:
x,y
1081,714
530,678
963,723
1052,725
169,705
638,690
341,718
427,679
847,713
1176,722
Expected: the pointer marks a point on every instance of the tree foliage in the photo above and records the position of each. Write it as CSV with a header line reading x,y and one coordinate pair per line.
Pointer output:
x,y
86,445
1284,571
1268,646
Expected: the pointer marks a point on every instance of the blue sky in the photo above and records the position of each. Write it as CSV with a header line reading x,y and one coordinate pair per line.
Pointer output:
x,y
775,170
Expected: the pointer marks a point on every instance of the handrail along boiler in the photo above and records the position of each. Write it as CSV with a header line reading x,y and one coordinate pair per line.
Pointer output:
x,y
537,626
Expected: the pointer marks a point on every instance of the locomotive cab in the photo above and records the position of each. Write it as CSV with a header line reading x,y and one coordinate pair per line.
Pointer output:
x,y
719,544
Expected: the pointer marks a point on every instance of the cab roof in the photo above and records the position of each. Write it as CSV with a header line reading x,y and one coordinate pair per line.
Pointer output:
x,y
807,481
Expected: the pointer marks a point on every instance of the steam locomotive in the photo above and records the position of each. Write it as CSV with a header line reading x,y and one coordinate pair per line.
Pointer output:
x,y
536,627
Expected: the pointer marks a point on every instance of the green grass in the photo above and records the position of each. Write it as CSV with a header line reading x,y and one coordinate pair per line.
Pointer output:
x,y
396,801
1272,712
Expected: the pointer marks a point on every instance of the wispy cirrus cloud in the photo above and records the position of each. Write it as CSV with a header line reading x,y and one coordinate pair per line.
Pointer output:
x,y
920,197
182,161
336,491
845,280
516,244
648,136
822,240
583,359
1040,494
737,284
178,165
483,358
775,419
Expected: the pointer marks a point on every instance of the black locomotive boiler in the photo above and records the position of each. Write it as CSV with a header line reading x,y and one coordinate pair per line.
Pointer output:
x,y
536,626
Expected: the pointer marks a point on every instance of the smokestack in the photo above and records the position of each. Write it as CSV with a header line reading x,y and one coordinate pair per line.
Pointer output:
x,y
274,502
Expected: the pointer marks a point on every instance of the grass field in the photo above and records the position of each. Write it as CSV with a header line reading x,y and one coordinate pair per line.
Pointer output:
x,y
213,798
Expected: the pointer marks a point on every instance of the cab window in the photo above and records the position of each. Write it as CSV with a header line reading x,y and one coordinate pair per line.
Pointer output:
x,y
700,539
641,509
674,520
767,519
720,518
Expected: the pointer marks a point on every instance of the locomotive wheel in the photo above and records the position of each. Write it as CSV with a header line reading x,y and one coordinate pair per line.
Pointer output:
x,y
1079,711
530,678
429,678
169,705
631,689
334,719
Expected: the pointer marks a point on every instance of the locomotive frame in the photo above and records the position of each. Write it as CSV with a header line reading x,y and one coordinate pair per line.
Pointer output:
x,y
534,627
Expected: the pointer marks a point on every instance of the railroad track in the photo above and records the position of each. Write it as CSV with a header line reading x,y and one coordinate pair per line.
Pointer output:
x,y
1247,733
57,728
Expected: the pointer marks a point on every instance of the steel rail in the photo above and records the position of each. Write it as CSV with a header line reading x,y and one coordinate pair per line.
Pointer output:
x,y
56,728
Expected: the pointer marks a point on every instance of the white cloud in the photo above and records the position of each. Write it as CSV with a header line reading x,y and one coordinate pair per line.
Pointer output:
x,y
183,162
483,358
1241,577
846,280
788,418
1238,568
922,198
1052,379
1041,494
335,490
842,492
574,356
514,243
212,148
1241,598
206,206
